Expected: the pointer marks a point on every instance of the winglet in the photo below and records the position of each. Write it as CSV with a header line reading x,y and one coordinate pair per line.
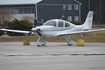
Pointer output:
x,y
88,21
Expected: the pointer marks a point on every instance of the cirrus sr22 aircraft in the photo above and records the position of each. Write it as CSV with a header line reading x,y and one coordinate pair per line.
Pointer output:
x,y
58,27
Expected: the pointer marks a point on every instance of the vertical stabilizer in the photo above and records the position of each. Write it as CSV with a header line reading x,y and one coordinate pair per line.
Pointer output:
x,y
88,22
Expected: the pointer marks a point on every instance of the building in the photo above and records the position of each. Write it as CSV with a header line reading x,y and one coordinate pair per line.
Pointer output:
x,y
51,9
19,9
43,10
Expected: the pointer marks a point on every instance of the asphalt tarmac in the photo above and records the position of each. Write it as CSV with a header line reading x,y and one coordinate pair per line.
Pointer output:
x,y
53,56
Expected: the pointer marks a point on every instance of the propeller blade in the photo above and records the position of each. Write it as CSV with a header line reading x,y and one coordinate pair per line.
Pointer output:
x,y
35,22
38,33
30,33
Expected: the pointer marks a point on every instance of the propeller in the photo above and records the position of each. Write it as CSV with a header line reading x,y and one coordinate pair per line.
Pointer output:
x,y
35,22
34,26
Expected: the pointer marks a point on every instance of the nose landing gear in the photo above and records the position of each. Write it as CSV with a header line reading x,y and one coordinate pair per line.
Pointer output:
x,y
41,43
69,41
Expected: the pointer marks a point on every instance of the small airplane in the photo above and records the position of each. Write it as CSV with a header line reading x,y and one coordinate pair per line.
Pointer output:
x,y
58,27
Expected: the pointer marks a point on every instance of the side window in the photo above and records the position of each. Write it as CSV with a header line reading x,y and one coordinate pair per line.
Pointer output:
x,y
67,24
69,18
60,23
75,7
69,7
76,18
64,7
52,23
21,11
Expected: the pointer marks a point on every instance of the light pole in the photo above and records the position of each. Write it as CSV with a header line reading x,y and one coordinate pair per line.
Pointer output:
x,y
36,16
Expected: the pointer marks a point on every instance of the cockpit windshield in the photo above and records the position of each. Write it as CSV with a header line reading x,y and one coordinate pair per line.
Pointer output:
x,y
50,22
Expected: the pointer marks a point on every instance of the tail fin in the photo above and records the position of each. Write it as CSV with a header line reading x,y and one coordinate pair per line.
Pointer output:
x,y
88,22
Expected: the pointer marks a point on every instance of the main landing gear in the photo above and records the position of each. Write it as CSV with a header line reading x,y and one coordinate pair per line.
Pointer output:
x,y
41,43
69,41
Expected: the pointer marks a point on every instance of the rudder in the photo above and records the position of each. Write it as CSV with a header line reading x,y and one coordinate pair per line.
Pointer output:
x,y
88,22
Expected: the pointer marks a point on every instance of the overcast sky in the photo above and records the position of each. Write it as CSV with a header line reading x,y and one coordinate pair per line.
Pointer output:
x,y
2,2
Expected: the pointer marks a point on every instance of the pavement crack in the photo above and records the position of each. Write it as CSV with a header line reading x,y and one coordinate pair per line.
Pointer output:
x,y
14,55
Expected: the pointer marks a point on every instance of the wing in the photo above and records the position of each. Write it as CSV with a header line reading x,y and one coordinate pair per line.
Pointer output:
x,y
17,31
79,32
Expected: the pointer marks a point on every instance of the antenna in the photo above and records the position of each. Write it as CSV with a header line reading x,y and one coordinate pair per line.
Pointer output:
x,y
62,16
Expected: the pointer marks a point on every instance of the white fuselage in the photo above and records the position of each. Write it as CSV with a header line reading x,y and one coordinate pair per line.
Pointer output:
x,y
50,30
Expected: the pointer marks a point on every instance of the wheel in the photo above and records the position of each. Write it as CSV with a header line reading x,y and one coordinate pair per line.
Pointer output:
x,y
70,44
39,45
43,44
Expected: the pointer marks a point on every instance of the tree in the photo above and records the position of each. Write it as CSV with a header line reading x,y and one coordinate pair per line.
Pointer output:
x,y
21,25
98,6
29,18
5,16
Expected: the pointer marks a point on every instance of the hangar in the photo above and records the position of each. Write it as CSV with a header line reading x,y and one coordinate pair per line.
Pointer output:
x,y
43,10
